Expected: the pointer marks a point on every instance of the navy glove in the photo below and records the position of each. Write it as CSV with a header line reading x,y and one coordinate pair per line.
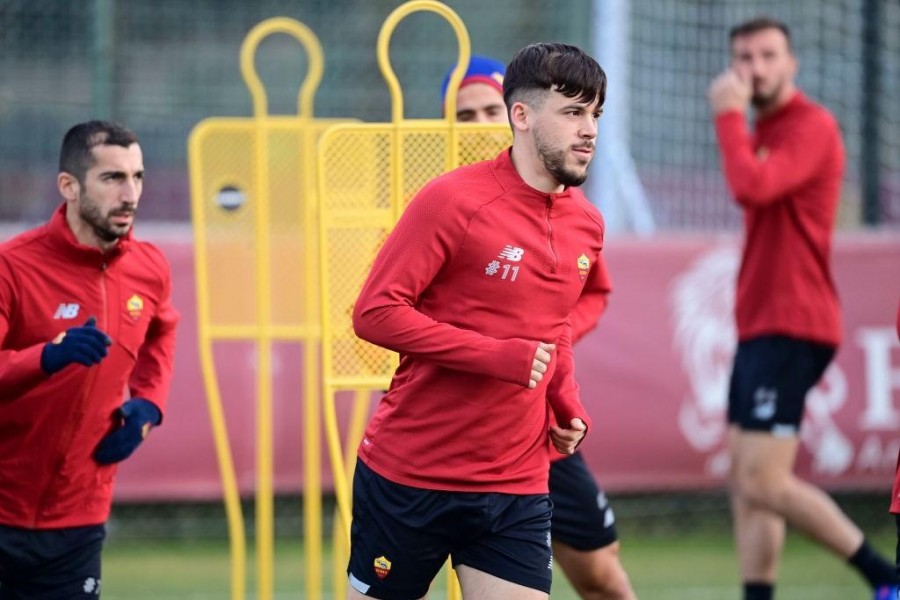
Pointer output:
x,y
138,417
85,345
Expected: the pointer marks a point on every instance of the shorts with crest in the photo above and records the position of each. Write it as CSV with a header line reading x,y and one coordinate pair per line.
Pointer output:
x,y
771,378
401,536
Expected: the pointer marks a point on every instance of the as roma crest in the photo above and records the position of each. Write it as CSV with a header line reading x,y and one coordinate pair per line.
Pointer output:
x,y
382,567
135,306
584,265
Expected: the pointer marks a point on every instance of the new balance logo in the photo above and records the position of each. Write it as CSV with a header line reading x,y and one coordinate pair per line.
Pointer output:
x,y
91,586
67,311
511,253
764,401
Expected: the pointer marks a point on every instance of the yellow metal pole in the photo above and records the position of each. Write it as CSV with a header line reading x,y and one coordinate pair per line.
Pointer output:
x,y
341,487
265,528
312,455
312,439
234,515
329,411
340,548
265,541
384,63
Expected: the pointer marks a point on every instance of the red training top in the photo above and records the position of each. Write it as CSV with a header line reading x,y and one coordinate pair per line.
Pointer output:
x,y
51,424
584,317
592,302
479,269
787,178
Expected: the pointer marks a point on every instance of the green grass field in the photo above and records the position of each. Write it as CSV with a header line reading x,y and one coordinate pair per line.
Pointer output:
x,y
697,566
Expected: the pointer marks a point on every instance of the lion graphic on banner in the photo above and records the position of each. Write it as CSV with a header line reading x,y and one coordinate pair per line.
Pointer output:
x,y
702,301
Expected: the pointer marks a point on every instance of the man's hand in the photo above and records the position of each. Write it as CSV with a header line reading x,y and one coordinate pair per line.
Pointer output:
x,y
566,440
138,417
85,345
540,364
729,92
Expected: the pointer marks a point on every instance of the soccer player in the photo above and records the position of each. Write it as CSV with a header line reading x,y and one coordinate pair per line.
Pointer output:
x,y
895,496
474,288
585,543
786,176
85,313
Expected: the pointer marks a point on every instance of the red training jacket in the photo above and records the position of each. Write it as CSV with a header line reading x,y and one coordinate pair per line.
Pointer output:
x,y
584,317
50,425
592,302
479,268
787,178
895,497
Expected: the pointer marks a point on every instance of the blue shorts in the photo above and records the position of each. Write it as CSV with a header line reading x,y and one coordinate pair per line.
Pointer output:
x,y
50,564
771,377
582,517
401,536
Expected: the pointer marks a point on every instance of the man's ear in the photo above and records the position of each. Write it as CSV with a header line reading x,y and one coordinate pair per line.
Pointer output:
x,y
68,186
520,116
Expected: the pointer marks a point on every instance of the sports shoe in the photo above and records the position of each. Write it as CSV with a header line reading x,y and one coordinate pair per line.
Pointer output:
x,y
887,592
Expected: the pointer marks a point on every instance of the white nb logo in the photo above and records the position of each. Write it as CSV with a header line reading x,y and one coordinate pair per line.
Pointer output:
x,y
91,585
764,400
512,253
67,311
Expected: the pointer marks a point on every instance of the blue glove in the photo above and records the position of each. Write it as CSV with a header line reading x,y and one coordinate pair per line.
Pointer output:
x,y
138,417
85,345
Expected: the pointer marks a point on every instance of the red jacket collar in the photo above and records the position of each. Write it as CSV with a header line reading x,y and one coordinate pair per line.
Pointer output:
x,y
64,238
509,178
798,99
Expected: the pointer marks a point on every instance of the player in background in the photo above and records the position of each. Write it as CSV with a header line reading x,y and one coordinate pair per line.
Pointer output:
x,y
895,498
85,314
786,176
473,288
585,542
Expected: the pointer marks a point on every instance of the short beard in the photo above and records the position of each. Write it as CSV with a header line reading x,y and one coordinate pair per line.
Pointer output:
x,y
90,214
555,163
764,101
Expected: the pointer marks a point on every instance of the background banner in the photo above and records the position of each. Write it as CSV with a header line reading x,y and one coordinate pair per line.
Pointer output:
x,y
654,375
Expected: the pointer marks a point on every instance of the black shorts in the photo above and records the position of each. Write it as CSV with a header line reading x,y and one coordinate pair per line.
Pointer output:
x,y
771,377
50,564
582,517
401,536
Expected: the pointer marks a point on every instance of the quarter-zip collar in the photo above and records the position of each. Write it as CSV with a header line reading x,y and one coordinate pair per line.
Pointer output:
x,y
63,238
795,101
509,179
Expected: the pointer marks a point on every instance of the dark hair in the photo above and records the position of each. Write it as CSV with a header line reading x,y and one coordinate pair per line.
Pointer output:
x,y
76,156
760,24
545,66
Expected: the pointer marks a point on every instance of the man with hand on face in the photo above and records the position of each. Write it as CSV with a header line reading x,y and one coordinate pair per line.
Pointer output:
x,y
585,541
474,288
786,176
85,314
